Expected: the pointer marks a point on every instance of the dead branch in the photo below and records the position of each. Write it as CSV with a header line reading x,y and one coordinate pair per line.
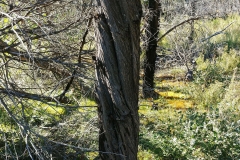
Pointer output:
x,y
217,33
22,94
174,27
21,57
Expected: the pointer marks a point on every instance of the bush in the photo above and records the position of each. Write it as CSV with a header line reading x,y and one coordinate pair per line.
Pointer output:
x,y
212,78
196,135
231,98
228,61
207,96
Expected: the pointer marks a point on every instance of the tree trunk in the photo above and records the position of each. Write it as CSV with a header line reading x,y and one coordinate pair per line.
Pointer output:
x,y
189,74
151,55
193,13
117,35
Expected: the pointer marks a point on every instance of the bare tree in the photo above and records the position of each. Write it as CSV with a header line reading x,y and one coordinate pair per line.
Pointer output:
x,y
117,26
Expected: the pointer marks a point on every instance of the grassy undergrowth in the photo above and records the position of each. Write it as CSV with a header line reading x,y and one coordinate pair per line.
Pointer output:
x,y
193,120
57,125
208,127
199,119
191,135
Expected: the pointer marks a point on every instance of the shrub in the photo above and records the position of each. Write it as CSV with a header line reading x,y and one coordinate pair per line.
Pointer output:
x,y
212,78
207,96
196,135
231,98
228,61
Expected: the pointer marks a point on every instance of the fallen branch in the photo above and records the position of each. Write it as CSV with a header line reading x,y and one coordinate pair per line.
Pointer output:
x,y
22,94
42,63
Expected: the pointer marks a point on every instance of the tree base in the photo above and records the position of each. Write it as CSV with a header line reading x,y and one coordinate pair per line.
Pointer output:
x,y
150,93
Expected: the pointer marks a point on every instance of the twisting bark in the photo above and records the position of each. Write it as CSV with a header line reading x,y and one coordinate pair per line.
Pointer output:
x,y
193,14
151,55
117,26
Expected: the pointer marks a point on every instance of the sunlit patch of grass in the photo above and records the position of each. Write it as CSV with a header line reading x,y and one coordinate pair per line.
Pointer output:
x,y
144,109
145,154
179,71
87,102
50,108
170,94
92,155
54,110
160,73
87,105
148,103
149,116
175,72
166,113
180,103
86,109
170,84
6,128
145,102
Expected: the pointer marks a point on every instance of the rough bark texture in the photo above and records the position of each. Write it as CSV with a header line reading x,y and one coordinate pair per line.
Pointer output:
x,y
151,55
193,14
117,32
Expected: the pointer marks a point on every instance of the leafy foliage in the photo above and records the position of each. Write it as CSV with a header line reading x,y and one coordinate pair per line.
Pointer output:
x,y
193,135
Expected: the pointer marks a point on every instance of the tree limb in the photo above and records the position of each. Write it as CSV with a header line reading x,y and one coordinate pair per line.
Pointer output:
x,y
22,94
217,33
21,57
174,27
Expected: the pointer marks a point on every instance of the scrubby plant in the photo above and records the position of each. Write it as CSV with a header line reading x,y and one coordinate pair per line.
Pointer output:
x,y
195,135
232,39
212,78
228,61
207,96
231,99
208,71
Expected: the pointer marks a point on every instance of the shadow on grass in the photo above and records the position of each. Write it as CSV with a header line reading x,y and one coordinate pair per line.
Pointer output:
x,y
148,145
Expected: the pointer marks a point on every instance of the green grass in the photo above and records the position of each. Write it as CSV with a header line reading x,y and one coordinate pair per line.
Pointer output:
x,y
206,126
196,120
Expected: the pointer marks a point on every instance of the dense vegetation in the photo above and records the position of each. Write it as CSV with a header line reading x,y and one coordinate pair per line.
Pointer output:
x,y
48,106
